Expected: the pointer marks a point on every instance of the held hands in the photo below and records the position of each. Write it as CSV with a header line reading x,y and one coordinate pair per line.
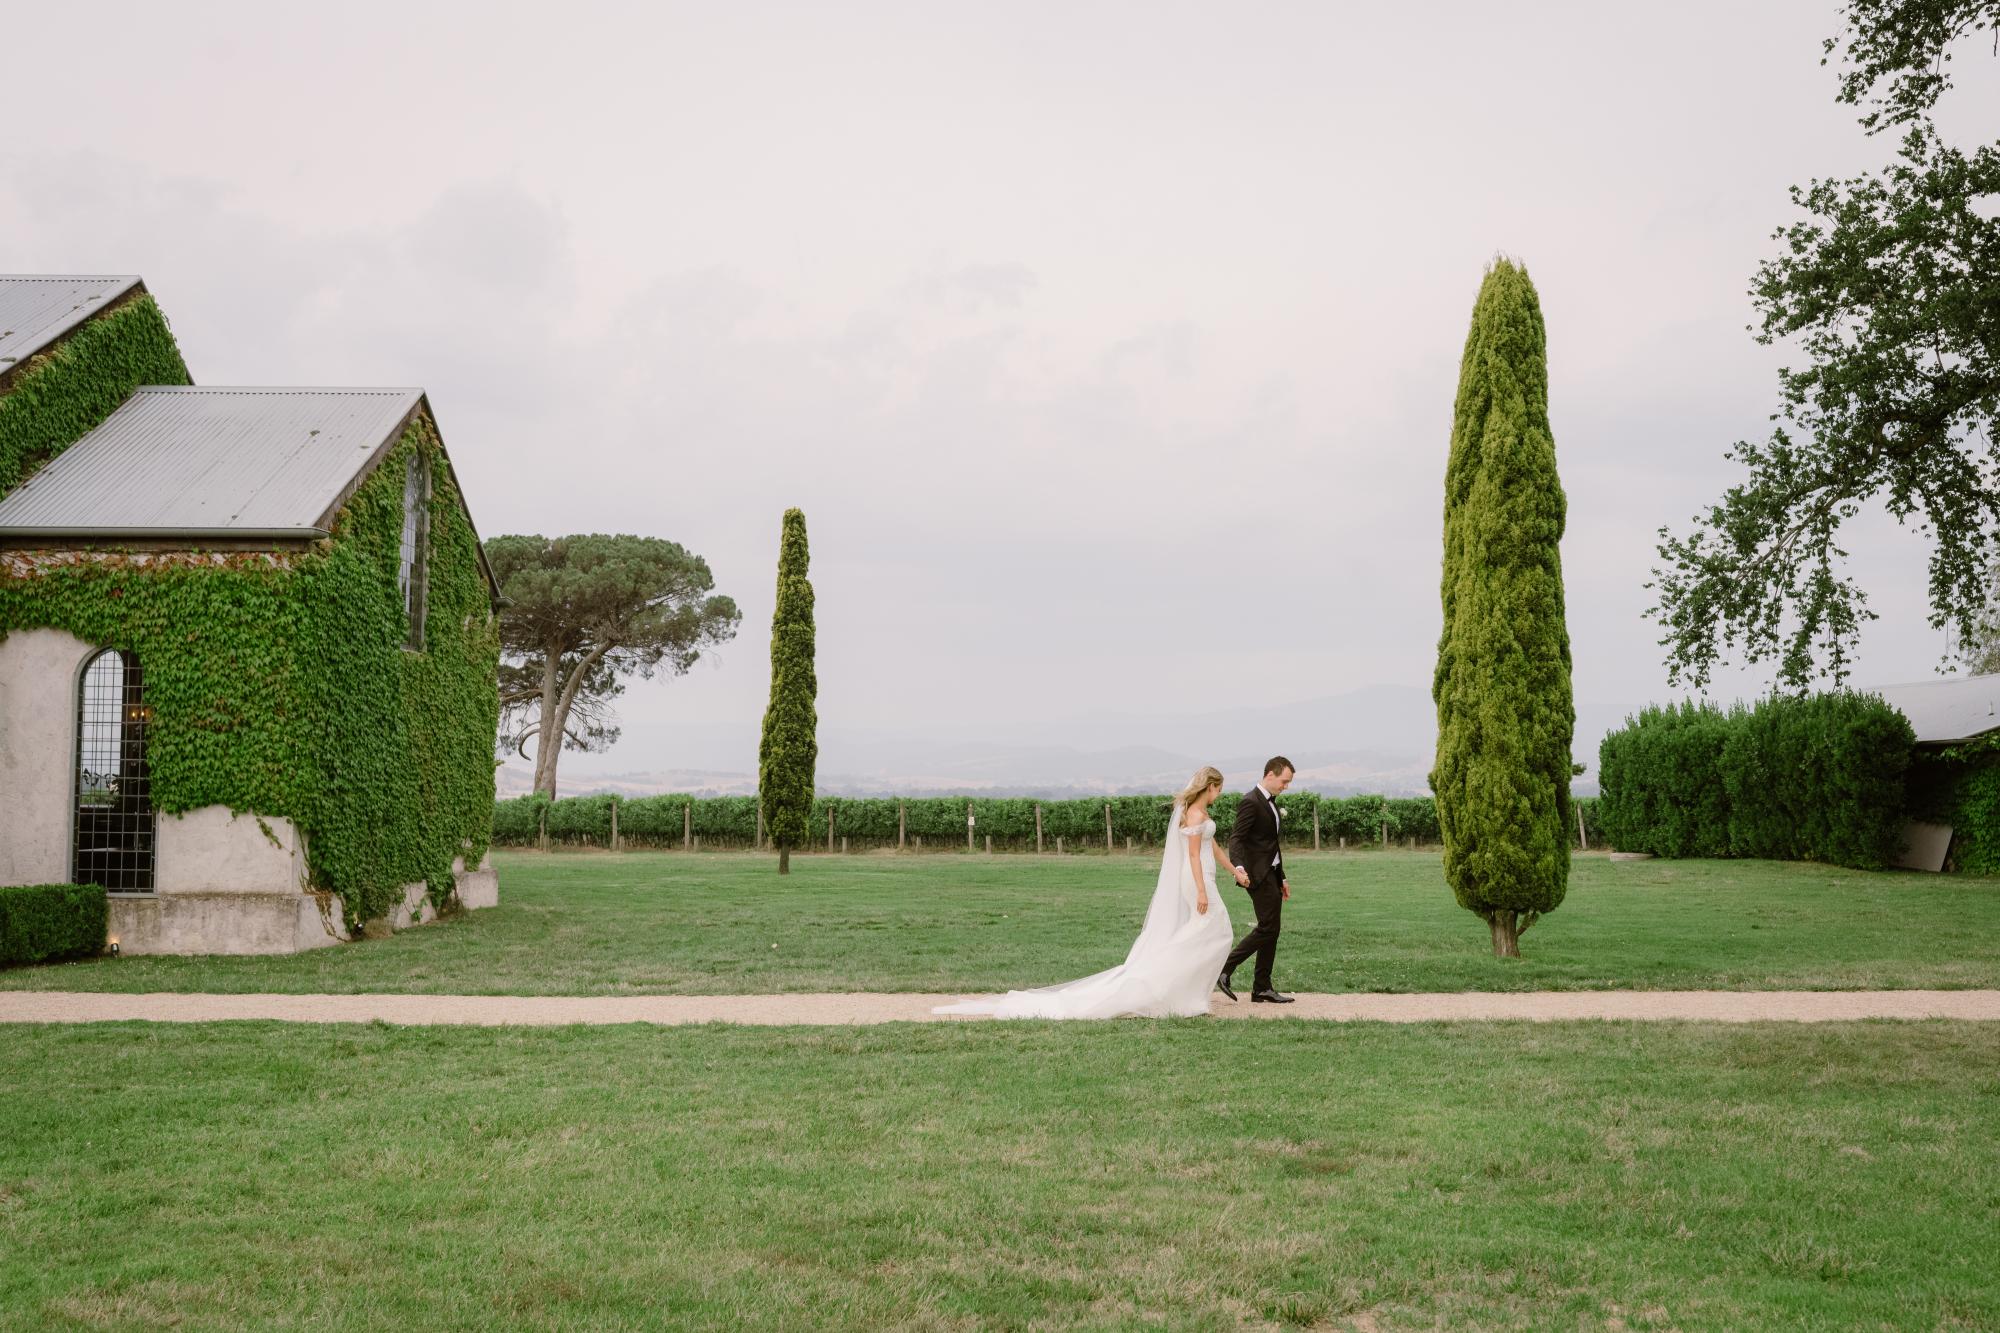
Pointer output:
x,y
1242,877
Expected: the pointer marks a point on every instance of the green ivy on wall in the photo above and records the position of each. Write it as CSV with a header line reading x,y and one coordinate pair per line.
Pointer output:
x,y
401,747
1960,786
285,688
62,394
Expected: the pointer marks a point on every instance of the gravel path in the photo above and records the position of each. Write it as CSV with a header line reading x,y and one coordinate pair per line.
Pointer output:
x,y
862,1007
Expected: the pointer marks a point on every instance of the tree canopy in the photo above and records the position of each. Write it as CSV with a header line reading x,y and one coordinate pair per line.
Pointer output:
x,y
582,613
1890,289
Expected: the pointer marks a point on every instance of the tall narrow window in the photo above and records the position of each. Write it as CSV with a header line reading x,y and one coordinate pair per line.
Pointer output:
x,y
416,535
114,804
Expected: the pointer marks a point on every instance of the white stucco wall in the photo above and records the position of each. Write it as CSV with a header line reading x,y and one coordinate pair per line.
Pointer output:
x,y
211,850
38,676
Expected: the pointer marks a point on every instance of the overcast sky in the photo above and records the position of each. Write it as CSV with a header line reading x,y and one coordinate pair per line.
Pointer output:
x,y
1109,348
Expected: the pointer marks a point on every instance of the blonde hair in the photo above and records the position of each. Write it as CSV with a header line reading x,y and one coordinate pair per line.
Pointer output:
x,y
1205,777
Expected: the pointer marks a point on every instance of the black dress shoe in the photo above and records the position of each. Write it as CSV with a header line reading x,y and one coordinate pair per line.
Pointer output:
x,y
1269,996
1222,984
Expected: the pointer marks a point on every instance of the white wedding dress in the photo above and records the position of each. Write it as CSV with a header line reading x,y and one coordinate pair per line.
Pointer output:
x,y
1172,967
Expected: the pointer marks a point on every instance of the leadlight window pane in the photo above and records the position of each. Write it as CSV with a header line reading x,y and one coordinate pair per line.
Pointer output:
x,y
114,807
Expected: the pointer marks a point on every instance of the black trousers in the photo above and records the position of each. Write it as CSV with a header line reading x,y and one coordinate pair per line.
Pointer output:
x,y
1267,896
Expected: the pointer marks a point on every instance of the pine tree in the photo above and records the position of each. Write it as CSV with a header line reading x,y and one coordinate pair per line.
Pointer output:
x,y
1504,707
790,747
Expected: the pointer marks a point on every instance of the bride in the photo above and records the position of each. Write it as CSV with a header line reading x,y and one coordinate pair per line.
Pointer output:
x,y
1178,955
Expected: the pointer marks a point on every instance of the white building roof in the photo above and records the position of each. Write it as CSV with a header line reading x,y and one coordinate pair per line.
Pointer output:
x,y
188,463
36,310
1952,708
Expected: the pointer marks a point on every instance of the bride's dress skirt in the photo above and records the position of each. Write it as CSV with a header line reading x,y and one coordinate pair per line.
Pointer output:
x,y
1170,971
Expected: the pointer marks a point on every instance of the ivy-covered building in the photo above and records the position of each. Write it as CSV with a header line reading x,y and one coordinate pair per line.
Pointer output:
x,y
248,641
1954,779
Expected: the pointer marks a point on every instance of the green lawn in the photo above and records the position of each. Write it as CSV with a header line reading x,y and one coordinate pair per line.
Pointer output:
x,y
1174,1174
597,924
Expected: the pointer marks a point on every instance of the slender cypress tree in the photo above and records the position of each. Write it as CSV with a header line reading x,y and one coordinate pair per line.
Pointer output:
x,y
790,746
1504,707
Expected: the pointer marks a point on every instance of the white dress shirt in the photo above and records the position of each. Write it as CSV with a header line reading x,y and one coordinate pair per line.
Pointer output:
x,y
1277,818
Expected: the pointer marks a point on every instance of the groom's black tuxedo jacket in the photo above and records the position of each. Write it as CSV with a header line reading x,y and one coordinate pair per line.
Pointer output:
x,y
1253,841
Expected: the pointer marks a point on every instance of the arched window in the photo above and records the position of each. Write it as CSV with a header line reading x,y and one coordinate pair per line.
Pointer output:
x,y
114,805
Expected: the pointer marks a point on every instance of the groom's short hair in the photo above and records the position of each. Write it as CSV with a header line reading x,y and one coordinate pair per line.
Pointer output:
x,y
1277,765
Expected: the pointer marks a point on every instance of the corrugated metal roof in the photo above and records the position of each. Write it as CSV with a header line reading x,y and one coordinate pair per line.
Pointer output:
x,y
1955,708
36,310
217,462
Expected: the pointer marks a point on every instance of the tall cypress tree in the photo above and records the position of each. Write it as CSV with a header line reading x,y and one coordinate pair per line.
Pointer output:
x,y
790,747
1504,707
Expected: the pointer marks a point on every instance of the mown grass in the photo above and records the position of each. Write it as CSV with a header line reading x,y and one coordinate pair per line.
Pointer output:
x,y
1176,1174
669,923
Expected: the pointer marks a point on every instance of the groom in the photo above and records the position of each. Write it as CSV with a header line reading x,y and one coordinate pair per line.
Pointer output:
x,y
1254,851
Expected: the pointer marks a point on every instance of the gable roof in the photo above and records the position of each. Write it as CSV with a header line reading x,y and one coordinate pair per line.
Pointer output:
x,y
1955,708
182,464
36,311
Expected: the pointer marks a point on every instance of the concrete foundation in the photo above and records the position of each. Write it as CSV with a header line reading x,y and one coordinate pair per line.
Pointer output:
x,y
226,884
234,885
476,888
232,922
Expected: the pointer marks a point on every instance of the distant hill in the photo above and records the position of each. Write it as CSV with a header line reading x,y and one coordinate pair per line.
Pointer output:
x,y
1376,740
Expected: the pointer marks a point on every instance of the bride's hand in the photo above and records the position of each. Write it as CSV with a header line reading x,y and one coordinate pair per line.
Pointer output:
x,y
1201,903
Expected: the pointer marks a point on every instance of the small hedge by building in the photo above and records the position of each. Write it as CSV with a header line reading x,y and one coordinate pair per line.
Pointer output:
x,y
1818,778
39,922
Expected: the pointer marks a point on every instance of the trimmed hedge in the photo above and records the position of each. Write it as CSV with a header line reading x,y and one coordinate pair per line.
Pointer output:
x,y
1817,778
1662,780
43,921
939,821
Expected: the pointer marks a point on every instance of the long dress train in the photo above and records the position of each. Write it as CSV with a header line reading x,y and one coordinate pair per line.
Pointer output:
x,y
1172,966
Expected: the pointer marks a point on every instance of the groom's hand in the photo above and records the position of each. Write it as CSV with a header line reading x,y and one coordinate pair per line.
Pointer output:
x,y
1286,885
